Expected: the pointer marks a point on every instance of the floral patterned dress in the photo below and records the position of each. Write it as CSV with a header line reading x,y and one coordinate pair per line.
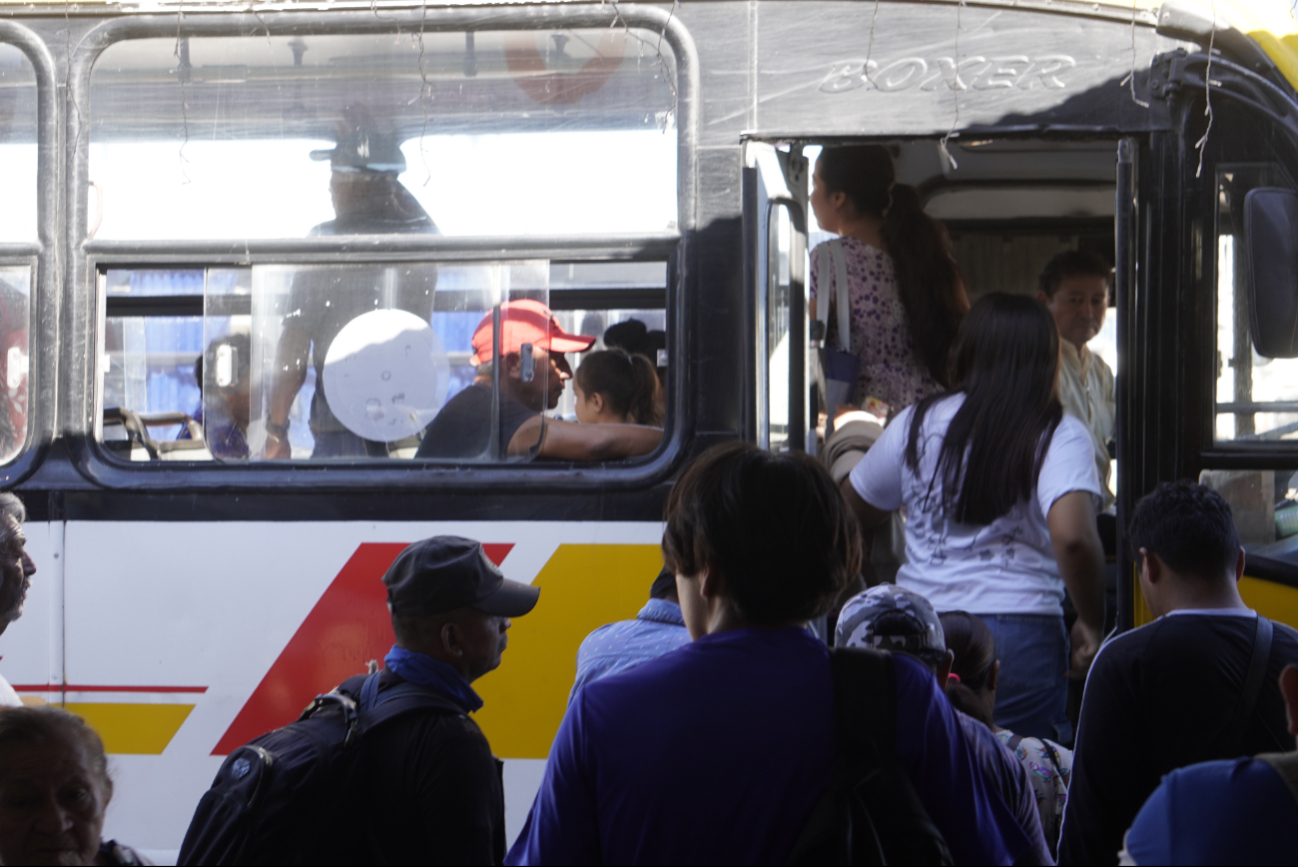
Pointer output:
x,y
1050,767
891,369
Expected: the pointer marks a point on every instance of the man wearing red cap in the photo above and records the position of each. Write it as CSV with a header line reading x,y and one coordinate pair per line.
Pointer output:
x,y
532,377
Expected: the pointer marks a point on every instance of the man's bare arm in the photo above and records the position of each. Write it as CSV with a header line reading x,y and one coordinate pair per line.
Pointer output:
x,y
566,441
290,372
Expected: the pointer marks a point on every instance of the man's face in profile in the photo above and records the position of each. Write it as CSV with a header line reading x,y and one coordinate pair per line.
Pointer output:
x,y
16,570
550,372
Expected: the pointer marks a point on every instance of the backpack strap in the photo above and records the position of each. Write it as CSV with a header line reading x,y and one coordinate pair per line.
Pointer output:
x,y
1055,758
870,812
1257,666
376,708
865,706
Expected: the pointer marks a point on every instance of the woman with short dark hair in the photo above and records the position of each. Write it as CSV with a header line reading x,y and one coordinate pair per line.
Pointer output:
x,y
54,789
1001,494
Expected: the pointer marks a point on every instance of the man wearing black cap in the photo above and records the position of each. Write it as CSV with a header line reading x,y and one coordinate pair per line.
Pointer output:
x,y
368,199
434,788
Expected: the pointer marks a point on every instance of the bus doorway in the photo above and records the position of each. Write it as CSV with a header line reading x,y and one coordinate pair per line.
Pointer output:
x,y
1008,205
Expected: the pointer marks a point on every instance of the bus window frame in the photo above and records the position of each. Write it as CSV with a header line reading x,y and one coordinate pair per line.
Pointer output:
x,y
44,260
94,461
1243,87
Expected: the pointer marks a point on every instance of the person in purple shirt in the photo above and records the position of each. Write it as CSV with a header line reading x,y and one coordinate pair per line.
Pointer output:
x,y
716,753
657,629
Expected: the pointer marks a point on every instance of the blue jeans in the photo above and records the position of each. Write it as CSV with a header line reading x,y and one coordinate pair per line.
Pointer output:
x,y
1032,690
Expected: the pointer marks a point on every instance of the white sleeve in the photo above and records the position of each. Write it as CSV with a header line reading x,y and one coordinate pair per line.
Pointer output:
x,y
8,698
1069,465
877,478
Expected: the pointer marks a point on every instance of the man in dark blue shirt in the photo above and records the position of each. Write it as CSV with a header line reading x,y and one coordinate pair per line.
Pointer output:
x,y
1173,692
717,752
1231,811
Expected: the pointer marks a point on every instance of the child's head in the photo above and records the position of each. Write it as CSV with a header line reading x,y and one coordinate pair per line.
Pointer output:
x,y
616,388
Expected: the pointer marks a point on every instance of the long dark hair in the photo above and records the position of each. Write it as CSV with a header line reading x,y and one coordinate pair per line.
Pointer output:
x,y
974,647
628,383
927,277
1005,362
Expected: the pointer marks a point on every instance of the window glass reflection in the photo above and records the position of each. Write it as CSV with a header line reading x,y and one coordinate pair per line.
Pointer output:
x,y
498,132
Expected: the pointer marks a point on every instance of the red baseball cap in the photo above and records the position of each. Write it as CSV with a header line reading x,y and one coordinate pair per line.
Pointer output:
x,y
522,322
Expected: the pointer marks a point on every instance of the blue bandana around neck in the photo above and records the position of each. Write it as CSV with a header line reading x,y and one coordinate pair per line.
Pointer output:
x,y
421,669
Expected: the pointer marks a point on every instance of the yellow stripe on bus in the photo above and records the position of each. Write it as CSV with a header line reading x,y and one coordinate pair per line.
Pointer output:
x,y
582,588
133,729
1278,602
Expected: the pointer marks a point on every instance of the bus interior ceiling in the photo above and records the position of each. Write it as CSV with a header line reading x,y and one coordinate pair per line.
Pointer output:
x,y
1010,205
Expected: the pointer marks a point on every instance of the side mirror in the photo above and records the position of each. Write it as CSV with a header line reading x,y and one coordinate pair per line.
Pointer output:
x,y
1271,236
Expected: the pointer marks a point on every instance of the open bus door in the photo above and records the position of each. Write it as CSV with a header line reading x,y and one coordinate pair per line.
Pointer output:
x,y
1204,398
775,269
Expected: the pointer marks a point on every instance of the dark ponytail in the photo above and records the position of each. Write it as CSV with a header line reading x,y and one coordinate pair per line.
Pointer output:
x,y
974,647
628,383
927,277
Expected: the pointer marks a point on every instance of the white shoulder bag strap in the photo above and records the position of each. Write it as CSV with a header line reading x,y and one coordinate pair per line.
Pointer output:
x,y
827,253
844,306
824,260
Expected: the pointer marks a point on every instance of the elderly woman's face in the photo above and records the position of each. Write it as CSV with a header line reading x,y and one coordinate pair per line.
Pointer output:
x,y
51,805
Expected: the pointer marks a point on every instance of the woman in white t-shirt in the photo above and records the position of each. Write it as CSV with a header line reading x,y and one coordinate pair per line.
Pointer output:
x,y
1001,494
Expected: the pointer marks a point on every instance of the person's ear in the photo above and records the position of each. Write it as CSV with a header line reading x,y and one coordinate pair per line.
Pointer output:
x,y
1151,567
1239,565
450,639
513,365
992,675
595,401
1043,298
838,200
944,669
711,583
1289,689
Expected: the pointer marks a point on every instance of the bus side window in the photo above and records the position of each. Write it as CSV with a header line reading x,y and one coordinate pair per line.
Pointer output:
x,y
337,361
349,324
18,226
1256,396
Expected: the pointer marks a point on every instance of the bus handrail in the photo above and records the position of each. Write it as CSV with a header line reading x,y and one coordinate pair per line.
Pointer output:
x,y
645,245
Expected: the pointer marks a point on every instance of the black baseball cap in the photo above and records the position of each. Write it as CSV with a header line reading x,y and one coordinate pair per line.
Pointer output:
x,y
444,573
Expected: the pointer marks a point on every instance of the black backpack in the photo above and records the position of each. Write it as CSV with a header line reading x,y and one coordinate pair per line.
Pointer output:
x,y
871,813
283,797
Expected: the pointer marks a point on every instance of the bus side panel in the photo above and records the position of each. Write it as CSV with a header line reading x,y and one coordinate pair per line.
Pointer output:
x,y
222,631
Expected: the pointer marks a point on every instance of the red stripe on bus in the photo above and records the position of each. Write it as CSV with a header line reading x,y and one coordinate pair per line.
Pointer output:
x,y
56,687
348,627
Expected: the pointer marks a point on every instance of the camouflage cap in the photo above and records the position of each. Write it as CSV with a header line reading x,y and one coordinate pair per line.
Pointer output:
x,y
888,617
